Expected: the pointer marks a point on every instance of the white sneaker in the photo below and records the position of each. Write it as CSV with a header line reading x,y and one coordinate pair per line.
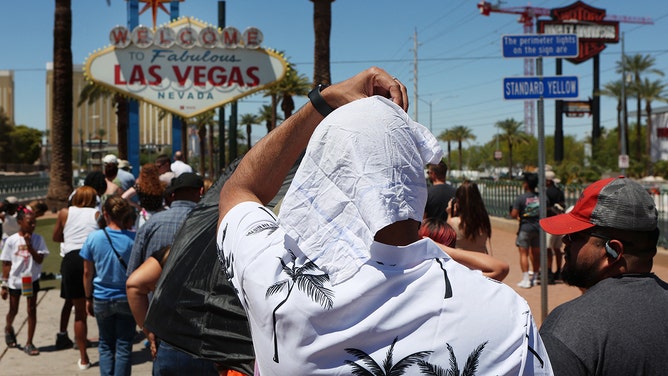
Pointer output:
x,y
83,367
524,283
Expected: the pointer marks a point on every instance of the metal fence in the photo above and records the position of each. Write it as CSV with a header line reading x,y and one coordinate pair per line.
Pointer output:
x,y
25,187
498,195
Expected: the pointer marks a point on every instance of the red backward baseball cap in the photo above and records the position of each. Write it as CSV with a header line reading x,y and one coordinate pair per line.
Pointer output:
x,y
615,202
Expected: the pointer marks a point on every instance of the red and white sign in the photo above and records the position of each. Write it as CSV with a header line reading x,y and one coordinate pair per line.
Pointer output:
x,y
592,31
187,67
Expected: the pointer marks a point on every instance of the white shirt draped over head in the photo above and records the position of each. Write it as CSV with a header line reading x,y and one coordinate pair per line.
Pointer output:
x,y
363,169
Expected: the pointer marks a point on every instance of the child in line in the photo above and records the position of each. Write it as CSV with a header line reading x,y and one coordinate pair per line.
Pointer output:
x,y
22,256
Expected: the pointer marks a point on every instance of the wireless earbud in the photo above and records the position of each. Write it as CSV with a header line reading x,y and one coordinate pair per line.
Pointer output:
x,y
611,251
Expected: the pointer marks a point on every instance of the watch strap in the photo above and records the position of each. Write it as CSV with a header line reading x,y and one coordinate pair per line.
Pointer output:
x,y
318,101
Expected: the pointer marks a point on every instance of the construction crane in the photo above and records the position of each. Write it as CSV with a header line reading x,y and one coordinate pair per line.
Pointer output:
x,y
527,14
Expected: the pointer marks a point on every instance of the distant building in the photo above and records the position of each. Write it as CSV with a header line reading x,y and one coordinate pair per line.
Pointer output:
x,y
94,127
659,141
659,137
7,93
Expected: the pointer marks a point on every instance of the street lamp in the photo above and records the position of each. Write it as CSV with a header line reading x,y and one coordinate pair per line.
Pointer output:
x,y
90,142
81,146
430,103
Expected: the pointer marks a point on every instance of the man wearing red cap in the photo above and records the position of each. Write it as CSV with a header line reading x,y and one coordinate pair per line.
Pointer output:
x,y
619,326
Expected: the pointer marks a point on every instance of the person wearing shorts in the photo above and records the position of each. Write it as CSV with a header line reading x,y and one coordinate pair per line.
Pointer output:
x,y
22,256
73,226
526,208
71,271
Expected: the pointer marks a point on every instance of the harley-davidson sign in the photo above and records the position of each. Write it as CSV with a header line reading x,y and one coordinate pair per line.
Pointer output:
x,y
587,23
186,67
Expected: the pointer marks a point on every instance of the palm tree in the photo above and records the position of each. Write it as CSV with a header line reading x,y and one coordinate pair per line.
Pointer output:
x,y
212,163
614,90
266,115
637,65
512,134
388,367
293,84
99,136
248,120
91,93
60,182
447,136
322,26
470,368
461,133
201,121
650,91
272,92
282,92
310,284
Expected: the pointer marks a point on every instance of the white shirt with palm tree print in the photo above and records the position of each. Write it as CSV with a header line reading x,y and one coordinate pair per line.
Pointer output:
x,y
408,311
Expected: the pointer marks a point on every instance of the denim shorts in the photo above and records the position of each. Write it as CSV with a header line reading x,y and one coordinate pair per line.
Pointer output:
x,y
528,239
106,308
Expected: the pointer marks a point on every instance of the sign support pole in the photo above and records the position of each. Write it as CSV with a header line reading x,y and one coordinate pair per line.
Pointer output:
x,y
133,104
556,87
559,120
540,108
177,122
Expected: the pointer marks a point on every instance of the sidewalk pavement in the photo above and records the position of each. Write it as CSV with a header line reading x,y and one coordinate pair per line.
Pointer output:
x,y
64,362
14,362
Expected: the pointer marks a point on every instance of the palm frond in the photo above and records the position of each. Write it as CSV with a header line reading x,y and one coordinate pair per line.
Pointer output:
x,y
412,359
432,370
472,361
91,93
358,370
308,266
312,285
454,368
287,269
387,362
276,287
367,360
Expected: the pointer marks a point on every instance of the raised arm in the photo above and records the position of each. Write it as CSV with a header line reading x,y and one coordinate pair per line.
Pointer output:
x,y
490,266
262,171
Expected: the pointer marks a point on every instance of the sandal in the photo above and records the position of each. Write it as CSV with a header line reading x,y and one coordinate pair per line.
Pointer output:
x,y
31,350
10,337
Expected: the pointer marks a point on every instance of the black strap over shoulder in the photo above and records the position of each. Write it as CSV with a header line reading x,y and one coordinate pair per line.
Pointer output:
x,y
120,259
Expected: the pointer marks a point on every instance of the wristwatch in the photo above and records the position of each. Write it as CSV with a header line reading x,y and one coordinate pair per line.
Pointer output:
x,y
318,101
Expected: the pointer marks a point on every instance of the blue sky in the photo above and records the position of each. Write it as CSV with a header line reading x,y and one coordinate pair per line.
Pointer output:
x,y
460,68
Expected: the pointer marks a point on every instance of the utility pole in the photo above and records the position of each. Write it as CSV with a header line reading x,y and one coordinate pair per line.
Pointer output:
x,y
623,124
221,110
415,74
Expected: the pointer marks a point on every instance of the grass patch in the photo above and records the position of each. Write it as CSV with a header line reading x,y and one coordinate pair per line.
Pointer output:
x,y
51,262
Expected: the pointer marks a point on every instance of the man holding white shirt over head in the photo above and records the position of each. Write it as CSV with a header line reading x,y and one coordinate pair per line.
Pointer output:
x,y
341,279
